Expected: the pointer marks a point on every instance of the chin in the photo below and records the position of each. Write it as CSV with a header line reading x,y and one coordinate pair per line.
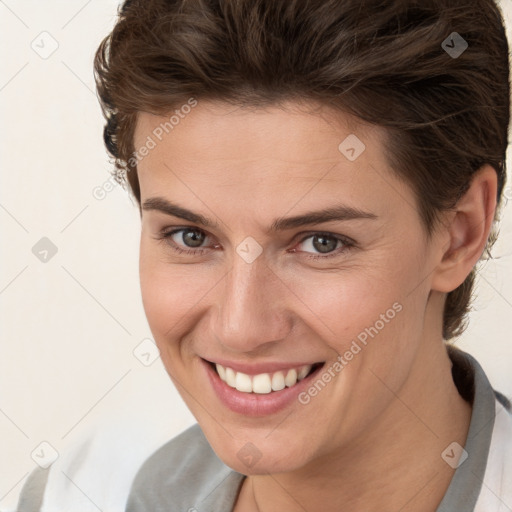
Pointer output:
x,y
266,465
259,457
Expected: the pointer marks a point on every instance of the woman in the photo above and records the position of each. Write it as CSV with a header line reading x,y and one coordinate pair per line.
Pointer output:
x,y
317,181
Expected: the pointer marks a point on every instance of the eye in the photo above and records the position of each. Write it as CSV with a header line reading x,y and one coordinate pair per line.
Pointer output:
x,y
327,244
190,238
189,241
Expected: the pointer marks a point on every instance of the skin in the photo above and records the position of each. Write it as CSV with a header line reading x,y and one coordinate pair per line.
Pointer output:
x,y
372,438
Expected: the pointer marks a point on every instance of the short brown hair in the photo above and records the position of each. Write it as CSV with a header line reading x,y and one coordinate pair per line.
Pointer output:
x,y
385,62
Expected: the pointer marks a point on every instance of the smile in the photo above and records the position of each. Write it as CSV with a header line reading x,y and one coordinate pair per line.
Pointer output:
x,y
264,382
254,392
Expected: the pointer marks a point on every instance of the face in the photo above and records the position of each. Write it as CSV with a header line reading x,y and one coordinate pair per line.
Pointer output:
x,y
237,270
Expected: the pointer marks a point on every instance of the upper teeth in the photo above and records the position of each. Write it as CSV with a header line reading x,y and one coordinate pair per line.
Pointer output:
x,y
263,382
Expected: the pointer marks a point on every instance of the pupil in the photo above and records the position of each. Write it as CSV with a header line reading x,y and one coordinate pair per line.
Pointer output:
x,y
326,244
193,236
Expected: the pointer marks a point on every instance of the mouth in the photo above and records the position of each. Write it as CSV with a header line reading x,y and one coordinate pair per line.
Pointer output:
x,y
264,383
260,394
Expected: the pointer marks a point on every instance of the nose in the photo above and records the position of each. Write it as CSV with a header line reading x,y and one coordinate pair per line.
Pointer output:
x,y
251,309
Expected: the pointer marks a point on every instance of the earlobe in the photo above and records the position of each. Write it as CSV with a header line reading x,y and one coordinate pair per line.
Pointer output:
x,y
468,230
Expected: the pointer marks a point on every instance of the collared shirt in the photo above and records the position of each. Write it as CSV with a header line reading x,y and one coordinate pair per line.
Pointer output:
x,y
185,474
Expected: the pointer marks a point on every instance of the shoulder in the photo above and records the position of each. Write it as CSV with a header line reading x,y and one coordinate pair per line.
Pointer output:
x,y
177,459
496,492
487,474
182,474
95,470
31,496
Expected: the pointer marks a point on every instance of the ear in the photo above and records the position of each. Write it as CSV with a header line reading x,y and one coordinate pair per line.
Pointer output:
x,y
467,230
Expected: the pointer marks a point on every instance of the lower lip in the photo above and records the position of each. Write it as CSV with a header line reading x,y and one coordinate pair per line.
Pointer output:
x,y
256,404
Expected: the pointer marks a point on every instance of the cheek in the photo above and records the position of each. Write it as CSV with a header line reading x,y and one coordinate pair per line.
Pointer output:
x,y
167,292
342,303
370,314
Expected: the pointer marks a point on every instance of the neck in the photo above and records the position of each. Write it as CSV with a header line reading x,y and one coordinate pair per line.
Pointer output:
x,y
394,465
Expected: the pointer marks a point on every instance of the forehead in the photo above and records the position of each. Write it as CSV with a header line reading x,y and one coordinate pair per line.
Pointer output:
x,y
295,148
297,131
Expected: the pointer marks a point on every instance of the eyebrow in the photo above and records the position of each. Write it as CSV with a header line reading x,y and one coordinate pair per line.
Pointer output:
x,y
334,213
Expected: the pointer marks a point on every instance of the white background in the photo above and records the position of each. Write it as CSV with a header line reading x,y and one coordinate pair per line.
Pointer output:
x,y
69,326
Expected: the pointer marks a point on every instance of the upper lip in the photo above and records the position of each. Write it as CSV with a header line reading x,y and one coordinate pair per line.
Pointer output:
x,y
257,368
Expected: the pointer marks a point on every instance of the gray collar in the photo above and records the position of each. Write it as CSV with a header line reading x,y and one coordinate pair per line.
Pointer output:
x,y
473,385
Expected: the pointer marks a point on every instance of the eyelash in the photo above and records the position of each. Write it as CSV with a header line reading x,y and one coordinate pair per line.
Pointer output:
x,y
347,243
